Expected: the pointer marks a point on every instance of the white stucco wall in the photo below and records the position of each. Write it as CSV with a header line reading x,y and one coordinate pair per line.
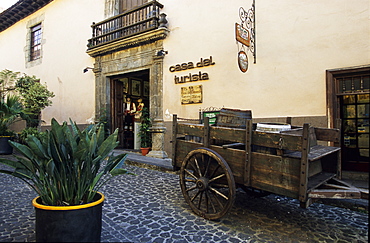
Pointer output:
x,y
66,29
297,41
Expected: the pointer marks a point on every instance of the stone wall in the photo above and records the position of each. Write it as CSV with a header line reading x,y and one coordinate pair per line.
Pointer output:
x,y
131,55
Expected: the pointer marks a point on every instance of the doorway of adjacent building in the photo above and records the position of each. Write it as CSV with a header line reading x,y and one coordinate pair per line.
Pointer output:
x,y
351,99
133,86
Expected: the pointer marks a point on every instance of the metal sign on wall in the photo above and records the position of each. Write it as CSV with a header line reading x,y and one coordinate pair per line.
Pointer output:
x,y
191,94
245,35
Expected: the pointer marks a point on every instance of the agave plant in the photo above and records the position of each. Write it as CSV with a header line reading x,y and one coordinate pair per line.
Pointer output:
x,y
67,166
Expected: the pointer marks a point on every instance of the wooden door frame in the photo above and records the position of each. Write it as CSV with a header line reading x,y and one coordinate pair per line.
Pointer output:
x,y
114,83
332,101
333,94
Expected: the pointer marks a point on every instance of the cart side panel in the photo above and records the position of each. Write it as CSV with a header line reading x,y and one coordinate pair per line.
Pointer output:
x,y
190,129
182,149
235,159
275,174
327,134
277,140
227,134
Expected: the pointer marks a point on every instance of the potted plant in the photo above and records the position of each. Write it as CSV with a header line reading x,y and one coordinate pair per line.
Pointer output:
x,y
144,131
10,111
34,96
67,167
10,108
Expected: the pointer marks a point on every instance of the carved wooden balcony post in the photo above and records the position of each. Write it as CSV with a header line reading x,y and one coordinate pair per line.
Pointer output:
x,y
162,20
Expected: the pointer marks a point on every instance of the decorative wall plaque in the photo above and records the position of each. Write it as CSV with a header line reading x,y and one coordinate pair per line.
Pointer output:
x,y
243,61
191,94
242,35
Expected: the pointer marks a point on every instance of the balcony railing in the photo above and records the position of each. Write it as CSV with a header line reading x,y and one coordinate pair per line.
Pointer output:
x,y
132,22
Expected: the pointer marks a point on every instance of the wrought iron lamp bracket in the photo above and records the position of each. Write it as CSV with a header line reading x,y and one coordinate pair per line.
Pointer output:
x,y
248,22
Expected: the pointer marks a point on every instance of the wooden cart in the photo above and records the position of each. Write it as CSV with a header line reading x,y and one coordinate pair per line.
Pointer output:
x,y
213,160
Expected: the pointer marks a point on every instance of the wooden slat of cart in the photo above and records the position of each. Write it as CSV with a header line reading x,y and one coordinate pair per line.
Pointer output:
x,y
235,160
182,149
248,152
228,134
327,134
316,152
276,174
277,140
319,179
304,165
190,129
174,142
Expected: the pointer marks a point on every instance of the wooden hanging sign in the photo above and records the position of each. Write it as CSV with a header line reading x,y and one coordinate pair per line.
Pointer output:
x,y
242,35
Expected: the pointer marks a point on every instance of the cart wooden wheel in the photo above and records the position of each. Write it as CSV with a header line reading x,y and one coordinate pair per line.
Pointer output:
x,y
207,183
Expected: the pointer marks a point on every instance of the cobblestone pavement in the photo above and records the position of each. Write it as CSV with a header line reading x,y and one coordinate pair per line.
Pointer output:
x,y
150,207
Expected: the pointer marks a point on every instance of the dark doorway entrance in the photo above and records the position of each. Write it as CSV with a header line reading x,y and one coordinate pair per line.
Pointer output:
x,y
351,97
128,87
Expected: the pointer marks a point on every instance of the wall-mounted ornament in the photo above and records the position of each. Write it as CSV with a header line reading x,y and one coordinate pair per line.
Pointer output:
x,y
242,35
191,94
245,35
243,61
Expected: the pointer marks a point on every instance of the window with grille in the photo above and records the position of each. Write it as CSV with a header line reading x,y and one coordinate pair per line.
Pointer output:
x,y
35,50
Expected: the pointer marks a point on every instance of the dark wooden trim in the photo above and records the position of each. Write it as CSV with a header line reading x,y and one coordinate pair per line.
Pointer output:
x,y
304,164
19,11
206,141
248,149
174,142
332,101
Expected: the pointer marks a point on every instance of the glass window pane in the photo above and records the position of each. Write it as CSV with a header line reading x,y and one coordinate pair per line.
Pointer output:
x,y
347,87
366,83
363,141
35,49
349,99
357,83
363,126
363,98
349,111
349,126
341,87
350,141
363,111
364,152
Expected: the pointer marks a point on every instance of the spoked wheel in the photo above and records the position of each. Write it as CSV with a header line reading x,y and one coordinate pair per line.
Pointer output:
x,y
207,183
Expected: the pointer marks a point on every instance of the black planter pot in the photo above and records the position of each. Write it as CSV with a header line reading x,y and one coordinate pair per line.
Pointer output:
x,y
5,147
80,223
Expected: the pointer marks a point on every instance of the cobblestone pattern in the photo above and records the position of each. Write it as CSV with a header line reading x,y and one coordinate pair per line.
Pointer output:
x,y
150,207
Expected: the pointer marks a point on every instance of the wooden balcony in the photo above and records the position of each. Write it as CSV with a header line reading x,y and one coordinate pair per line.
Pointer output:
x,y
133,22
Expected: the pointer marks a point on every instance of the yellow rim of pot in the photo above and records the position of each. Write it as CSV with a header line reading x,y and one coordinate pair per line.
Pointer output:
x,y
87,205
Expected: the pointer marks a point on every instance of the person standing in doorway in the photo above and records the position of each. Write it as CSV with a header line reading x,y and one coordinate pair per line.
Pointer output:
x,y
129,113
139,109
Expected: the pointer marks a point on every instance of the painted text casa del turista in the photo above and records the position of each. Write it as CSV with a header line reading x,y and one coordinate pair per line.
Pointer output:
x,y
190,65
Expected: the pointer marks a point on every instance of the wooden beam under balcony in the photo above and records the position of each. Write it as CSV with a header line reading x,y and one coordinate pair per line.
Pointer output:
x,y
125,43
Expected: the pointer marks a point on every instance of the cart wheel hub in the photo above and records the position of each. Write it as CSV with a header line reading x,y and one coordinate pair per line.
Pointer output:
x,y
202,183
